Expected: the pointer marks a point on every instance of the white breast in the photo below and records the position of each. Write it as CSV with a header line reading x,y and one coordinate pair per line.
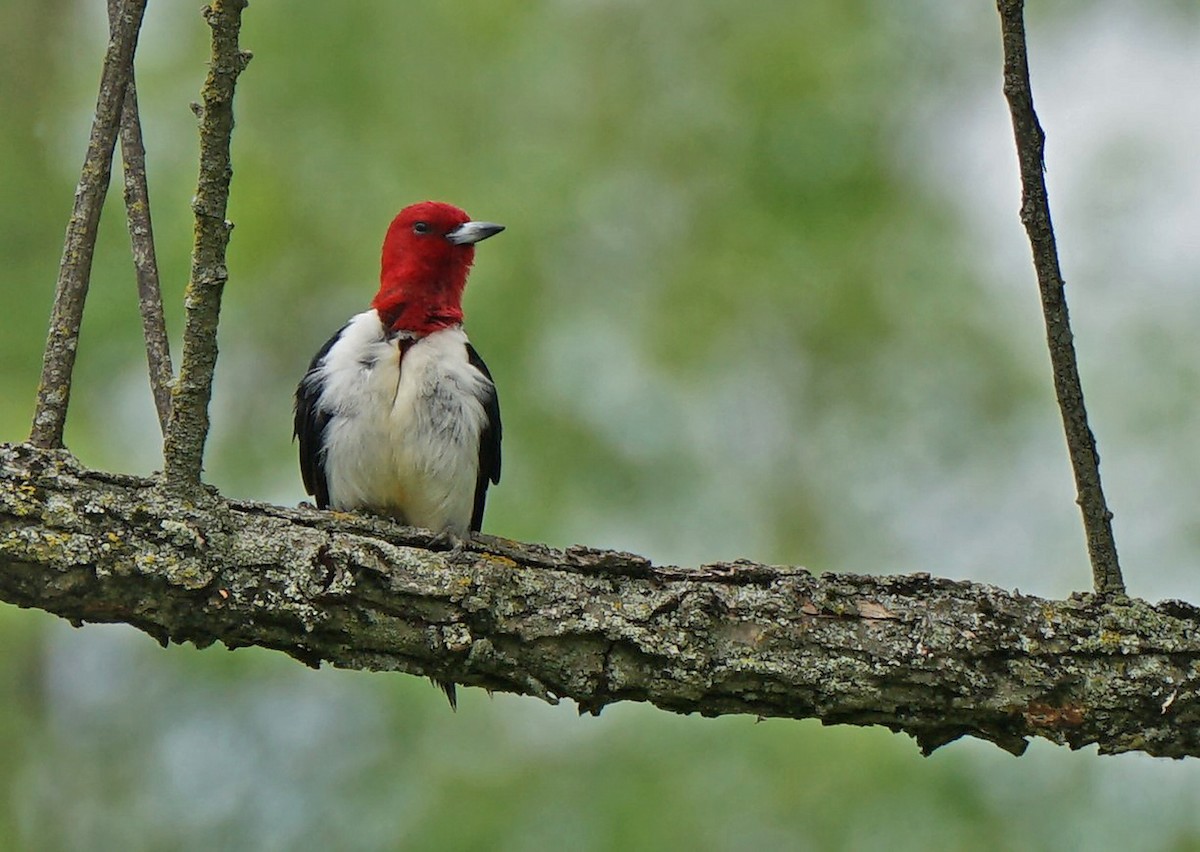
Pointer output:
x,y
403,436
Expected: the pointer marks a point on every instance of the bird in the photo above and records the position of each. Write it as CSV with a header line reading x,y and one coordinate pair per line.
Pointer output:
x,y
397,414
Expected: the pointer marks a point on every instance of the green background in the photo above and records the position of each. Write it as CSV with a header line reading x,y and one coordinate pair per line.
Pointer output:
x,y
763,293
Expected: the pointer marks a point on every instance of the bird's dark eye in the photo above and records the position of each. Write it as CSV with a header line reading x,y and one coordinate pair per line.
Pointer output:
x,y
421,228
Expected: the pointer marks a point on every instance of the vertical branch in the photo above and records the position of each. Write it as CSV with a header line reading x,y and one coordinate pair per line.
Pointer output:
x,y
1035,214
188,426
74,273
141,237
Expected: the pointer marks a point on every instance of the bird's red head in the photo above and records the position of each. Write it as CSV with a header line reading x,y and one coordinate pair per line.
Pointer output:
x,y
427,253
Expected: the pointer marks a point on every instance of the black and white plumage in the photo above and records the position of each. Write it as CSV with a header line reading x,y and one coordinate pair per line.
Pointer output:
x,y
400,425
397,414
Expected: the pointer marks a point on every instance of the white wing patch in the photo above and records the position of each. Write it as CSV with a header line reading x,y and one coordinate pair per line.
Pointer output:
x,y
403,439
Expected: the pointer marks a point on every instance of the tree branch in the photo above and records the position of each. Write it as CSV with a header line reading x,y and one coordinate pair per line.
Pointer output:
x,y
1035,214
934,658
188,428
141,237
74,273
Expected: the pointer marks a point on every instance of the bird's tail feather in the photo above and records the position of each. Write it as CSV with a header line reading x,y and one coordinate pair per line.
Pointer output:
x,y
447,687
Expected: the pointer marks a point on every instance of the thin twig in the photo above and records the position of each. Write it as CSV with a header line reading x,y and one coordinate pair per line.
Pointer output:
x,y
1035,214
141,237
74,273
188,427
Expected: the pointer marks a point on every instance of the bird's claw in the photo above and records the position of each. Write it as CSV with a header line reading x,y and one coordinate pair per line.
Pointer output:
x,y
447,540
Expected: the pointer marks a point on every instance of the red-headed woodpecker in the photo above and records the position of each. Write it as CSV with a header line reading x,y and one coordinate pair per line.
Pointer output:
x,y
397,413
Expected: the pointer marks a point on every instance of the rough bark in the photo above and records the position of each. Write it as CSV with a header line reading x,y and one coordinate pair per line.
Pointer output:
x,y
934,658
187,429
141,241
75,269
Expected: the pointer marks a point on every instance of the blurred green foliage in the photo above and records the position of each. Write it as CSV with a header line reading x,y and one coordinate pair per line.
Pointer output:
x,y
731,316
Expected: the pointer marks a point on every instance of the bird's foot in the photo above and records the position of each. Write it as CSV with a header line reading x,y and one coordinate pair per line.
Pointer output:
x,y
446,540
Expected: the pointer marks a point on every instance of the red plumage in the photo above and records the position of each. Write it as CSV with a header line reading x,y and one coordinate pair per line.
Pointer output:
x,y
423,274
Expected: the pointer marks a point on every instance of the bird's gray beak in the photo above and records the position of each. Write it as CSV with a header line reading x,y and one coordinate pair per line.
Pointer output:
x,y
472,232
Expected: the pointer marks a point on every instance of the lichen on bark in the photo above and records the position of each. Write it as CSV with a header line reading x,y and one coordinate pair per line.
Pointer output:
x,y
187,429
931,657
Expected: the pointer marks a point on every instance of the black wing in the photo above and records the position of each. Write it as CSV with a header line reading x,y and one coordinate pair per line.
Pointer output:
x,y
310,424
489,443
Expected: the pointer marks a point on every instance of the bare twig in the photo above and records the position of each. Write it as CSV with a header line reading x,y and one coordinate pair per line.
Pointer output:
x,y
58,362
188,427
932,657
1035,214
141,236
